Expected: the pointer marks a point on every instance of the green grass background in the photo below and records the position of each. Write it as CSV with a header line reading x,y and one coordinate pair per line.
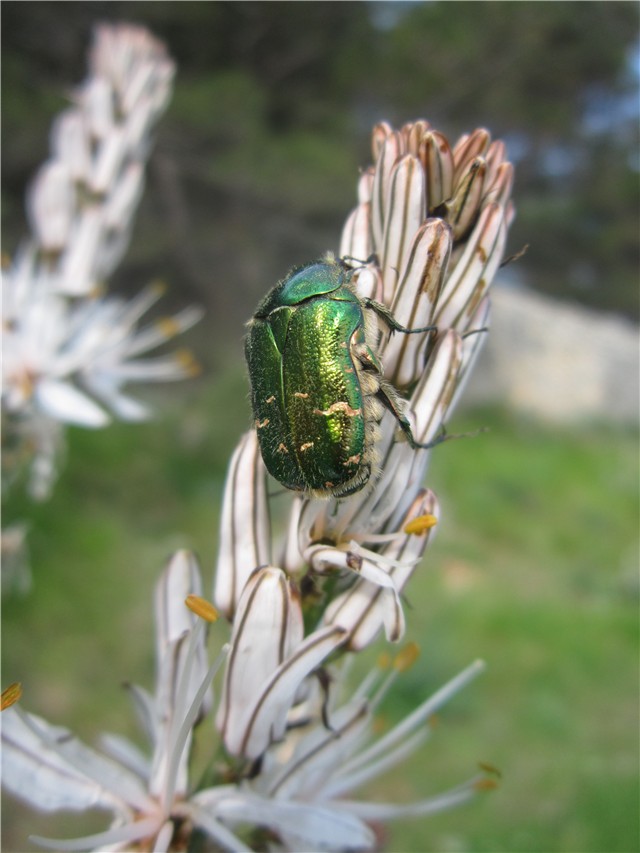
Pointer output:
x,y
534,569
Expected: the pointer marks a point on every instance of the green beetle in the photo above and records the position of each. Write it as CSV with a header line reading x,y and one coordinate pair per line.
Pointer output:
x,y
317,388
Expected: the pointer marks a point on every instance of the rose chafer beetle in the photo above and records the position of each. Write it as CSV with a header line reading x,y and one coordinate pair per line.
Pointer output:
x,y
317,389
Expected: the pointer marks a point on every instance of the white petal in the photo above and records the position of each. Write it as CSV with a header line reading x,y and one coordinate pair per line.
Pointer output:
x,y
144,708
203,817
356,239
78,272
250,729
371,568
260,638
472,345
162,330
434,392
111,839
304,826
161,369
70,143
125,197
64,402
391,811
418,289
173,618
126,408
50,205
347,779
380,133
136,84
389,153
418,717
318,754
404,213
474,270
126,753
245,541
97,100
365,185
109,161
468,147
499,189
292,560
181,665
360,609
437,159
52,770
463,207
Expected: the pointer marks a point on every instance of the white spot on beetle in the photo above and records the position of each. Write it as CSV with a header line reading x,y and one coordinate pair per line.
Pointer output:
x,y
353,460
341,406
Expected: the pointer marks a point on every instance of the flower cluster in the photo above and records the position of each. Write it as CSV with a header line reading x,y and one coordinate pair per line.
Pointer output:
x,y
430,230
67,350
298,794
433,221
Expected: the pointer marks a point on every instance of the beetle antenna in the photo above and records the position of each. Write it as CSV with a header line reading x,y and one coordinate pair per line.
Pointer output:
x,y
516,256
475,332
446,436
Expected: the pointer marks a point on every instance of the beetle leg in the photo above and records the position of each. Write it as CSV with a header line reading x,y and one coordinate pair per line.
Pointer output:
x,y
366,357
393,402
383,312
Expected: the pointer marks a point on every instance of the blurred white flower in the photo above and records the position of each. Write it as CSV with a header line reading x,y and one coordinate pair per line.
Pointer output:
x,y
67,362
68,352
82,201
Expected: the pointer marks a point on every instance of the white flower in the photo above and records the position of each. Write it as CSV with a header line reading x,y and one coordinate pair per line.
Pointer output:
x,y
67,352
61,357
300,791
47,767
82,201
67,362
431,222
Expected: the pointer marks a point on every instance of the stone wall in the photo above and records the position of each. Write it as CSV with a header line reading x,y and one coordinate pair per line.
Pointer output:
x,y
558,361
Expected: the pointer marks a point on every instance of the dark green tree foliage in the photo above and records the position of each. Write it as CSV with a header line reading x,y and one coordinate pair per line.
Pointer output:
x,y
255,162
561,81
